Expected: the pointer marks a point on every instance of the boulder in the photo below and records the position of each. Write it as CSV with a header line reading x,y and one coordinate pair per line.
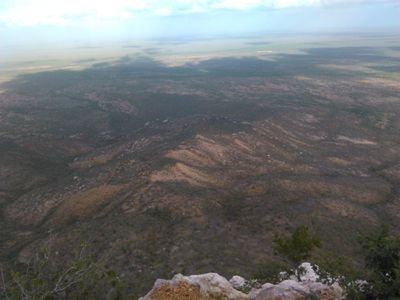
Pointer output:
x,y
237,282
286,290
308,273
210,286
294,290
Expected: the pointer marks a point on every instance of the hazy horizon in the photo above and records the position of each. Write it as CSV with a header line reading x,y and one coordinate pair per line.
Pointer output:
x,y
43,23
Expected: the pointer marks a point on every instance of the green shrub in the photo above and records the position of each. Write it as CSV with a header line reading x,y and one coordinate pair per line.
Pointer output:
x,y
43,279
298,246
271,272
382,259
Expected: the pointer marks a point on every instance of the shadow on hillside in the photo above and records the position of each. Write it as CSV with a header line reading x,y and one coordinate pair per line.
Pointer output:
x,y
307,64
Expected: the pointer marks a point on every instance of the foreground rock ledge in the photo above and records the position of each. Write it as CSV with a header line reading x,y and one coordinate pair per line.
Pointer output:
x,y
212,286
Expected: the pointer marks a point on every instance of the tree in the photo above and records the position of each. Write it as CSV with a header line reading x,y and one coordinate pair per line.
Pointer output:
x,y
382,258
298,246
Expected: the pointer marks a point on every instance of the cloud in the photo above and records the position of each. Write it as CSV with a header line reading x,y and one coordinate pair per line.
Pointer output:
x,y
52,12
243,5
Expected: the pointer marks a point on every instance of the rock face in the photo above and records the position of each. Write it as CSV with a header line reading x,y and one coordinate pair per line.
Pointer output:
x,y
212,286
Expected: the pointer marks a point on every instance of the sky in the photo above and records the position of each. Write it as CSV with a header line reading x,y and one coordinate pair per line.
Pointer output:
x,y
23,21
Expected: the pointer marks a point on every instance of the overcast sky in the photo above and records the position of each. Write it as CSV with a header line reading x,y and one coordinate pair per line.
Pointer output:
x,y
80,19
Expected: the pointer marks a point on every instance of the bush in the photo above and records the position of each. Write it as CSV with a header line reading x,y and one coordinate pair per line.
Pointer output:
x,y
297,247
271,272
382,259
43,279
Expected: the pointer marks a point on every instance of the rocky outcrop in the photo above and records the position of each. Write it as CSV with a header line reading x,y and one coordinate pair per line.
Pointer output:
x,y
294,290
212,286
196,287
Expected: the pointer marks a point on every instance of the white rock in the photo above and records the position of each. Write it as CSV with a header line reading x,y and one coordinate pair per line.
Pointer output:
x,y
292,285
214,285
285,275
267,285
308,273
288,290
362,285
294,290
337,289
237,282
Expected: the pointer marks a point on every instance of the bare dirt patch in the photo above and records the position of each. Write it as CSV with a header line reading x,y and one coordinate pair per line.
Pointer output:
x,y
339,161
182,291
96,160
349,210
191,156
86,203
357,141
182,172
